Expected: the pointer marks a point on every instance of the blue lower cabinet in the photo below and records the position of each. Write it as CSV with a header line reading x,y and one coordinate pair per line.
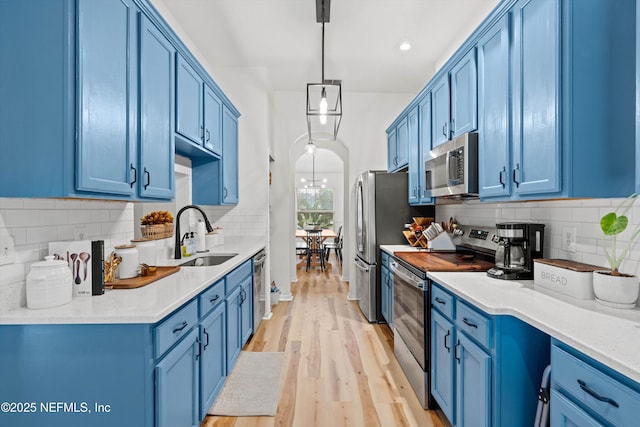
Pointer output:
x,y
565,413
213,361
234,344
473,384
442,372
585,392
485,370
177,378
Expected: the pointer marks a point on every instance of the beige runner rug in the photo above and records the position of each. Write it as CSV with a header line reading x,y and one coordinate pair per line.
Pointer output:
x,y
253,388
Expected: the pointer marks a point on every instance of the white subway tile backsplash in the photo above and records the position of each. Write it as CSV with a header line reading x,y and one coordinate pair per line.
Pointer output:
x,y
22,218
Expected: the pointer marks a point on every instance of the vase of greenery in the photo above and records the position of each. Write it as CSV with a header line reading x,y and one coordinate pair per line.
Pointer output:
x,y
611,287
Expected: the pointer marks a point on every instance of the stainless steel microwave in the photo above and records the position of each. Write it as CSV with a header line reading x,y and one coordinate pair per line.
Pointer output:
x,y
453,168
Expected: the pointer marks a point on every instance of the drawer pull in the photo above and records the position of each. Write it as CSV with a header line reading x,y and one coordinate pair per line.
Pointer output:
x,y
214,299
440,300
586,389
181,327
469,323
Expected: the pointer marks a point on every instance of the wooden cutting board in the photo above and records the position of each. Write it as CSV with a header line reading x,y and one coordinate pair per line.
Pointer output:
x,y
444,261
137,282
570,265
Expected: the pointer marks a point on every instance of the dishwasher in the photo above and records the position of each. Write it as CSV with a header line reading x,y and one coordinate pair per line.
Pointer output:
x,y
258,288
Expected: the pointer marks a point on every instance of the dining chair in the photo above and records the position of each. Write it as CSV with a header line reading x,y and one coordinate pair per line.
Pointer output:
x,y
314,247
336,245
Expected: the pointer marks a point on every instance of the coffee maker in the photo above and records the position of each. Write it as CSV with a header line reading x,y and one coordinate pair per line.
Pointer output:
x,y
518,245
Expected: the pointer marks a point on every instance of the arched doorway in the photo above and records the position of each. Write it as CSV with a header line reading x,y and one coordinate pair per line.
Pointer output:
x,y
340,150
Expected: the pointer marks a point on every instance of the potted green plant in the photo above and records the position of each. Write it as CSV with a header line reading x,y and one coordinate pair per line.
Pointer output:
x,y
611,287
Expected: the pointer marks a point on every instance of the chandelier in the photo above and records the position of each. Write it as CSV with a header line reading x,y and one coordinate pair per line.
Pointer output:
x,y
324,99
313,182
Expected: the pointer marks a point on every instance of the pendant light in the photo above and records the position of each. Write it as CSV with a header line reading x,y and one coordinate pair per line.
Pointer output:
x,y
324,100
312,182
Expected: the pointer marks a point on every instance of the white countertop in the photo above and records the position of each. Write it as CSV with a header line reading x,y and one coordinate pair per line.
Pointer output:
x,y
609,335
147,304
390,249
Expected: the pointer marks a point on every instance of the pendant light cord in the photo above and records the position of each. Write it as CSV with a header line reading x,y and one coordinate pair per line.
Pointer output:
x,y
323,44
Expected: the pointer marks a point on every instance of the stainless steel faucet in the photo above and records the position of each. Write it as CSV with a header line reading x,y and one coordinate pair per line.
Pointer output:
x,y
177,254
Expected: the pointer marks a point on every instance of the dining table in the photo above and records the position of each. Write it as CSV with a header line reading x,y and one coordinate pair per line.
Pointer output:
x,y
324,235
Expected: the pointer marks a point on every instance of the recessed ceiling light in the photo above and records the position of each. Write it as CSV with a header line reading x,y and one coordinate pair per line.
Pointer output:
x,y
405,46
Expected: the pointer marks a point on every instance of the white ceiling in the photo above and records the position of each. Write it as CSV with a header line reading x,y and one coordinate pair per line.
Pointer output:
x,y
361,39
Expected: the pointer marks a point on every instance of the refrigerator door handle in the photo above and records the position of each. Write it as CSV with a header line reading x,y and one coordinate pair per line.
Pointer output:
x,y
361,266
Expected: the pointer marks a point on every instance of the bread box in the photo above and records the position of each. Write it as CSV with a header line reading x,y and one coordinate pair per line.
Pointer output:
x,y
571,278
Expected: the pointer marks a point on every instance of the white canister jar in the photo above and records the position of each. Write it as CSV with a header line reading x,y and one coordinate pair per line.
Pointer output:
x,y
49,284
147,251
128,267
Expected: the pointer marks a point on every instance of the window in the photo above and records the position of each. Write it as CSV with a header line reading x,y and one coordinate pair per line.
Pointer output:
x,y
315,206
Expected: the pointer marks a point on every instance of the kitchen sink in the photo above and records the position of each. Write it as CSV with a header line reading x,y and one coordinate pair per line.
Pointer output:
x,y
208,260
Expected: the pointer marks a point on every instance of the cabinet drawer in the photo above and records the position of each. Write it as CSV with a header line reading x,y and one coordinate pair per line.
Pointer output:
x,y
474,324
594,389
211,297
236,276
167,333
442,300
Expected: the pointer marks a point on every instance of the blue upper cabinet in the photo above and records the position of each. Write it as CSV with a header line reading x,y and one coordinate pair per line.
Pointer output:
x,y
464,95
455,101
398,143
440,111
198,109
107,97
189,102
81,122
536,82
424,142
212,121
157,76
230,157
414,157
493,111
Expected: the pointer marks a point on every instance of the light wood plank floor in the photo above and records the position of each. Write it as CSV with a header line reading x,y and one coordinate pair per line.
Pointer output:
x,y
340,370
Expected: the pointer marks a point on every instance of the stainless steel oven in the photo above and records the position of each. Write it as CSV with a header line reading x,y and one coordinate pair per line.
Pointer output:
x,y
411,321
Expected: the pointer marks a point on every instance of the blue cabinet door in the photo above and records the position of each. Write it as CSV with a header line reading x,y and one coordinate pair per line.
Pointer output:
x,y
442,367
189,102
565,413
413,149
536,97
494,155
424,141
473,384
212,121
246,310
213,362
177,385
402,143
157,77
464,95
392,154
106,84
234,343
229,157
440,111
384,299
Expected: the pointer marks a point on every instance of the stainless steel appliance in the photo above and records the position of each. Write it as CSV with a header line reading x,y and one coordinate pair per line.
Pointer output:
x,y
382,210
411,300
519,244
258,288
453,168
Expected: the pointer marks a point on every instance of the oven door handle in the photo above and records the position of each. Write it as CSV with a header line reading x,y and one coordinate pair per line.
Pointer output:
x,y
413,280
361,266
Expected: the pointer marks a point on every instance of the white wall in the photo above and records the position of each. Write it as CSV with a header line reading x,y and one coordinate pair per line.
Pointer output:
x,y
583,214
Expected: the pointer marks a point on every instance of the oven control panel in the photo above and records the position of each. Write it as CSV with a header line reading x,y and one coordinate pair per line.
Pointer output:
x,y
474,236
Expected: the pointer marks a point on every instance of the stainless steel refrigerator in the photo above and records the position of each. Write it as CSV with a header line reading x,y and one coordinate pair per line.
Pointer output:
x,y
382,209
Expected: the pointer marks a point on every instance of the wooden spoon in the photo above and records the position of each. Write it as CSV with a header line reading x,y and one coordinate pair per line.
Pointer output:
x,y
85,257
